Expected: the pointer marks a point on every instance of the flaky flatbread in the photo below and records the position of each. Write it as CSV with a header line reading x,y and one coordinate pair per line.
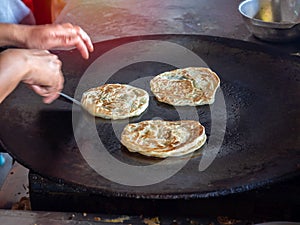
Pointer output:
x,y
115,101
191,86
163,139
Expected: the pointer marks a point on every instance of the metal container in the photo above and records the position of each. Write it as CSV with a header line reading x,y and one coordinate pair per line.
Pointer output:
x,y
272,20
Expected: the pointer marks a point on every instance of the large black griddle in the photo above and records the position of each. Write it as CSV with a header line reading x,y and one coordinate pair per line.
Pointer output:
x,y
261,143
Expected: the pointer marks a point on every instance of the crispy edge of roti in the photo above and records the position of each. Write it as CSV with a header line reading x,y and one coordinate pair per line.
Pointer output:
x,y
162,95
173,153
192,144
99,112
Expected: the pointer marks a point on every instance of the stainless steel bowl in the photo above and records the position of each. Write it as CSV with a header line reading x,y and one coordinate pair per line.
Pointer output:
x,y
272,20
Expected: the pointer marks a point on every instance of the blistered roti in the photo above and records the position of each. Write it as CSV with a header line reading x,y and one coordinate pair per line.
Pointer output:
x,y
190,86
115,101
163,139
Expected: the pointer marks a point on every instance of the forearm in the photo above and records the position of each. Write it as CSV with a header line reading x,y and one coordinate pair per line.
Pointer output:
x,y
13,34
7,85
10,74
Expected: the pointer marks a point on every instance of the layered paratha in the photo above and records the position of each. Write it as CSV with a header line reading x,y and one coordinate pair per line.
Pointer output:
x,y
163,139
115,101
190,86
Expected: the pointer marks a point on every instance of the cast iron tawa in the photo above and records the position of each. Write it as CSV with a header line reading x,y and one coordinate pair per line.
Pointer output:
x,y
253,127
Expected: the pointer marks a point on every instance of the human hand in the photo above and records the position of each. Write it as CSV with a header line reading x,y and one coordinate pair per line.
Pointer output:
x,y
39,69
45,76
56,35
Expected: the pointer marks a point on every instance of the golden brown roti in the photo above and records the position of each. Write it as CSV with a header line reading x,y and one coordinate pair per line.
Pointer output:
x,y
163,138
190,86
115,101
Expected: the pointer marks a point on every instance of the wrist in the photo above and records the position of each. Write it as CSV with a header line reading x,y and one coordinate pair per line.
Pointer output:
x,y
15,63
20,35
10,75
14,35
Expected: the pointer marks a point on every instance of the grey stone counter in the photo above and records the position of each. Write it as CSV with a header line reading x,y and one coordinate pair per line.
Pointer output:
x,y
107,19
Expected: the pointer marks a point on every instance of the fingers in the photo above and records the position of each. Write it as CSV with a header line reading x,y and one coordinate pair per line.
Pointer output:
x,y
79,44
80,40
49,94
56,35
67,35
81,33
86,39
49,99
54,91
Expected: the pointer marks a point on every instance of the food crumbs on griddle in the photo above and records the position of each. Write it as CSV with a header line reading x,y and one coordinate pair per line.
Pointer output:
x,y
224,220
23,204
97,218
117,220
194,222
174,222
152,221
71,217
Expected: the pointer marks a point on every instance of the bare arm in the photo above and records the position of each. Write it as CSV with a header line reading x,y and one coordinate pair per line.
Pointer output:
x,y
46,37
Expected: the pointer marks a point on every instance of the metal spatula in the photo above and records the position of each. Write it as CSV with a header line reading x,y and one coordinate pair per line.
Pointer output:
x,y
70,98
